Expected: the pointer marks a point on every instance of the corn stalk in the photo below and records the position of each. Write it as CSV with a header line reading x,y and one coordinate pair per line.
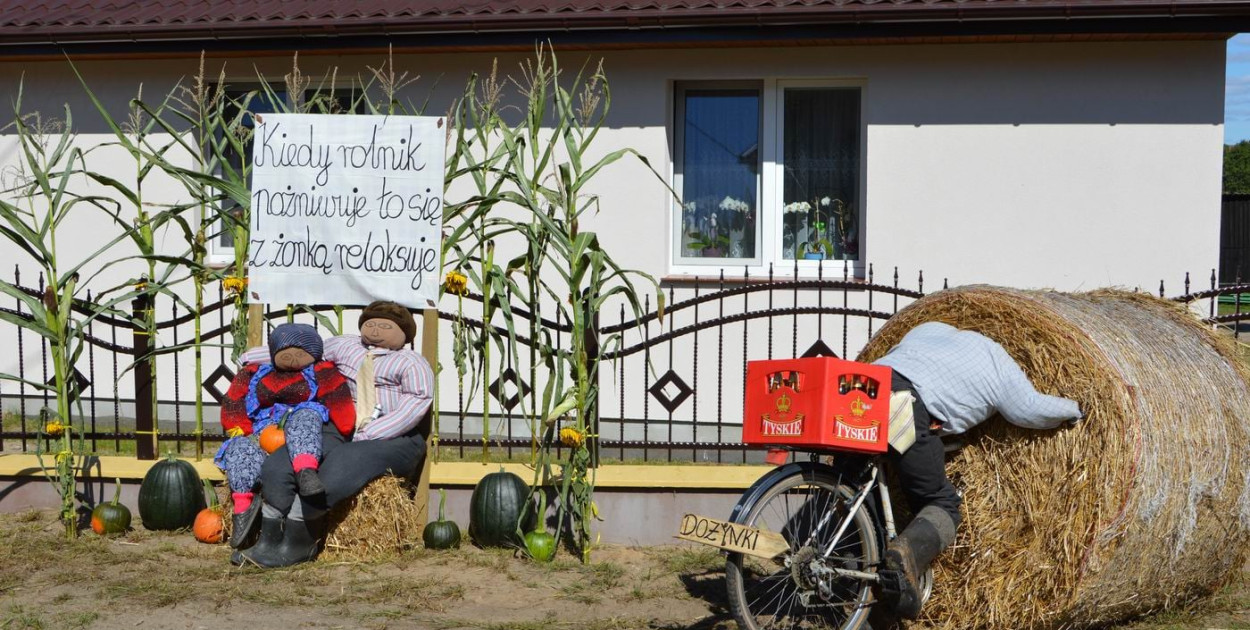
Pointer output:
x,y
32,208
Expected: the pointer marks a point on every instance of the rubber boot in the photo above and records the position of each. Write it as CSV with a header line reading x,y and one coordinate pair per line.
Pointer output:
x,y
243,524
299,542
309,483
906,560
269,539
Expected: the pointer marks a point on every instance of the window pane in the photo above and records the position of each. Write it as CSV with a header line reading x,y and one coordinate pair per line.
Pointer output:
x,y
821,164
720,172
259,104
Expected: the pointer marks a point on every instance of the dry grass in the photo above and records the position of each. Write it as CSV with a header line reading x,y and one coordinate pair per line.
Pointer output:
x,y
1140,508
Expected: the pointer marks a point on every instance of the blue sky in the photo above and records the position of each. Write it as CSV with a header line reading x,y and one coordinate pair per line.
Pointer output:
x,y
1237,90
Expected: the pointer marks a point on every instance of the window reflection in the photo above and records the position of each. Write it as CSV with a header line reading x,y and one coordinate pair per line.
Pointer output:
x,y
719,166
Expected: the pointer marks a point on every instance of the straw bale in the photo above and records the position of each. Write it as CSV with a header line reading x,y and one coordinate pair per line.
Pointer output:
x,y
381,518
1143,506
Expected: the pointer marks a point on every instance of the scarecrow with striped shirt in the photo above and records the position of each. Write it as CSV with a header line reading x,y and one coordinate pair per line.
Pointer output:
x,y
393,391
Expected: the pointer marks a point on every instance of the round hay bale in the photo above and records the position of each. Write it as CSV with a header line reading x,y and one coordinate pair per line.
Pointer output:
x,y
1143,506
381,518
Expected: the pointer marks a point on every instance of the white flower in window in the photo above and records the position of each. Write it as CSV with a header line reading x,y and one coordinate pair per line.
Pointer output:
x,y
736,205
825,201
797,206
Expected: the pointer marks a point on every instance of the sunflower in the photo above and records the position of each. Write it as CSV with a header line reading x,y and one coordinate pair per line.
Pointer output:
x,y
456,283
53,428
234,284
571,437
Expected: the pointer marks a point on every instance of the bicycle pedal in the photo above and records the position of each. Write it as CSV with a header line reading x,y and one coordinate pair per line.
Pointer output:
x,y
891,582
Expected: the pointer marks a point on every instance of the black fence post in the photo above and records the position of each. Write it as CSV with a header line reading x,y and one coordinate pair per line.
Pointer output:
x,y
591,337
145,418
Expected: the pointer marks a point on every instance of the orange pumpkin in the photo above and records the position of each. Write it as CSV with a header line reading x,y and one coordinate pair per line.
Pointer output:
x,y
209,525
272,438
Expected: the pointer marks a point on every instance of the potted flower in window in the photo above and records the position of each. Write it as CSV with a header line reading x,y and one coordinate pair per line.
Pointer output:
x,y
828,221
708,244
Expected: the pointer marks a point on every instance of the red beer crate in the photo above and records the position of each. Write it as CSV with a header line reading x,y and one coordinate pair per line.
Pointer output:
x,y
819,403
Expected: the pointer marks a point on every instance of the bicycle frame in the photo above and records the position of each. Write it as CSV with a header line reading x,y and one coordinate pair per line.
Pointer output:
x,y
857,502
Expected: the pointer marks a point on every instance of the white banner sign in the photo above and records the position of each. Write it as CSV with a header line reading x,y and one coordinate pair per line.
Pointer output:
x,y
346,209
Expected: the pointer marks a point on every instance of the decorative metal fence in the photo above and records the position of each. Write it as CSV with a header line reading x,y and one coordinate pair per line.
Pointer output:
x,y
670,386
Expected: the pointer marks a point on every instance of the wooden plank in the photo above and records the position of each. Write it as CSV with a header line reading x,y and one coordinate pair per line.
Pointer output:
x,y
429,349
461,474
731,536
255,324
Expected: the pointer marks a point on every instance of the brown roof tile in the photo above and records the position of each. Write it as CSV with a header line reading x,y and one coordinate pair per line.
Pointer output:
x,y
53,21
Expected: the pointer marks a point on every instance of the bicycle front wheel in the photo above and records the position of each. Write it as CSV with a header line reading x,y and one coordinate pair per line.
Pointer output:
x,y
799,588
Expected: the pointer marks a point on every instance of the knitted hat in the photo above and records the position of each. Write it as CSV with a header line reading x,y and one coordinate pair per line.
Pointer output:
x,y
394,312
300,336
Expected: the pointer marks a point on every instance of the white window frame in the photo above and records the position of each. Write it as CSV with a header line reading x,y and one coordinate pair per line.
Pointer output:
x,y
769,202
218,256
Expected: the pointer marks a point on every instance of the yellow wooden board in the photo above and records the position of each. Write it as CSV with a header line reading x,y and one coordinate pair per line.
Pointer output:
x,y
731,536
448,474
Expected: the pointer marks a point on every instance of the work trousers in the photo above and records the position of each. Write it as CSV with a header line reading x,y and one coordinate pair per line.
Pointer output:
x,y
922,469
346,467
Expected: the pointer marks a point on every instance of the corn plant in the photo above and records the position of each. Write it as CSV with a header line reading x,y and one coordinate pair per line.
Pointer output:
x,y
560,268
32,208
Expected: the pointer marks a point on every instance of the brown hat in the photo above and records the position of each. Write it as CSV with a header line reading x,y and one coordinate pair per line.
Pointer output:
x,y
394,312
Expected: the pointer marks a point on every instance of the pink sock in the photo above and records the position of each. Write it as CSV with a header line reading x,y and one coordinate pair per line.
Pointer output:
x,y
304,460
242,500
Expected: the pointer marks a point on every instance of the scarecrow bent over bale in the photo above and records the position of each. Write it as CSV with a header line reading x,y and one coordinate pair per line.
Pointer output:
x,y
959,379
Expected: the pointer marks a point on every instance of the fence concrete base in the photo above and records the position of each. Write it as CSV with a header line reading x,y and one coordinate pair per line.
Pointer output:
x,y
640,505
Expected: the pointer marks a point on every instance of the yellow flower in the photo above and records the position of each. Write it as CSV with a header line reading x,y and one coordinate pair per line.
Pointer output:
x,y
234,284
456,283
234,432
571,437
54,428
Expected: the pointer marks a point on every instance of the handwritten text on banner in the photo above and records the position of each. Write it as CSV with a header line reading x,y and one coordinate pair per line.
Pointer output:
x,y
346,209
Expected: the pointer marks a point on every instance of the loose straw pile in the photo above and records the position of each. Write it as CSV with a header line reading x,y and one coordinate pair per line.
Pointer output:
x,y
1144,506
382,518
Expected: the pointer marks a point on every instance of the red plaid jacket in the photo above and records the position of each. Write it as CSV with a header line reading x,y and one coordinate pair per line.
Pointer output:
x,y
289,388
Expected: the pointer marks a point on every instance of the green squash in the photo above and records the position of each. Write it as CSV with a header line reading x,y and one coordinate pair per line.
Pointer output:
x,y
541,545
496,508
111,518
171,495
441,534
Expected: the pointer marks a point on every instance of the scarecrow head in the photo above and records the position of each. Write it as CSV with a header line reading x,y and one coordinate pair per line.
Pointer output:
x,y
293,347
387,325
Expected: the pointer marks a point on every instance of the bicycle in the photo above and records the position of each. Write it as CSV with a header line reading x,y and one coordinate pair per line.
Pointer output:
x,y
837,522
805,543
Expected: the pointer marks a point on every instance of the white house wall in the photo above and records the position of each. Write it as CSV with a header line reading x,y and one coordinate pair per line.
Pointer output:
x,y
1065,165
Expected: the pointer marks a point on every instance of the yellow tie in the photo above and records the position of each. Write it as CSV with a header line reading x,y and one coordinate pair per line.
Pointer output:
x,y
366,392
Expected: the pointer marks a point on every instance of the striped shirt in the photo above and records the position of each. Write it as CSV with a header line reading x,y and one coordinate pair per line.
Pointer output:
x,y
404,381
964,377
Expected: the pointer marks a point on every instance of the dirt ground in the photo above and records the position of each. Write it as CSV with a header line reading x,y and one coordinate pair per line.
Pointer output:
x,y
167,580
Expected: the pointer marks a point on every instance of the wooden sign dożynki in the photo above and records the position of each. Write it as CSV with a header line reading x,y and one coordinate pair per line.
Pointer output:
x,y
732,536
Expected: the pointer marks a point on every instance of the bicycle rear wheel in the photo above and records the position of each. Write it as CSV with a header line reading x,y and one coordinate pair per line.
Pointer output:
x,y
798,588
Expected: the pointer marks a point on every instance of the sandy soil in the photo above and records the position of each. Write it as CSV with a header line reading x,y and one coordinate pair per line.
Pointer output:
x,y
168,580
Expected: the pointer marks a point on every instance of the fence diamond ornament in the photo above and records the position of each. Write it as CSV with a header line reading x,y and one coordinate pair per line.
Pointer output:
x,y
520,389
210,383
819,349
78,384
660,391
